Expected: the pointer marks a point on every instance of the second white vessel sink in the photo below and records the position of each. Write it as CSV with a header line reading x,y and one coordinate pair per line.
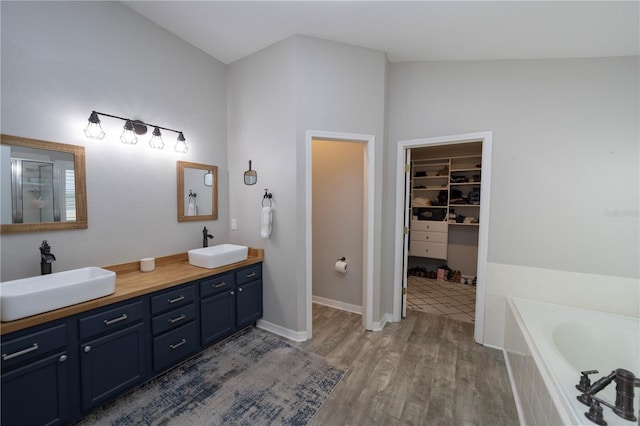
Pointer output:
x,y
35,295
217,256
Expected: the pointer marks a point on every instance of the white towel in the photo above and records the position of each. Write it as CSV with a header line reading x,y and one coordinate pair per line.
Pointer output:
x,y
265,223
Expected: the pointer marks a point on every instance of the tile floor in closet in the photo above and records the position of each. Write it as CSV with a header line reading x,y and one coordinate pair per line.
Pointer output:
x,y
453,300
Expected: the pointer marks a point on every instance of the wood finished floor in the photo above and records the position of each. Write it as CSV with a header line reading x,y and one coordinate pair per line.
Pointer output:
x,y
424,370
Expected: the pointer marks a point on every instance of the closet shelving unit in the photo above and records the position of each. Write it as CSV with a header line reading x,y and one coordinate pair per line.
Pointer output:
x,y
468,168
429,236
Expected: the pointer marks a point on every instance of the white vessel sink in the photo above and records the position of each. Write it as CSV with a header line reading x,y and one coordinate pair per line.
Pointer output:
x,y
30,296
217,256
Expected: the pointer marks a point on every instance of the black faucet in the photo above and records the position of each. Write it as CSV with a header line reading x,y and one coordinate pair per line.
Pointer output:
x,y
205,237
625,382
46,258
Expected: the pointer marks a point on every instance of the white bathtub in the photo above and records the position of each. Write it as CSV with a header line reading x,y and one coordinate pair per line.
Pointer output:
x,y
546,347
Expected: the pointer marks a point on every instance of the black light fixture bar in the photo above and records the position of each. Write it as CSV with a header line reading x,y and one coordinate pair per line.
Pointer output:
x,y
136,121
133,127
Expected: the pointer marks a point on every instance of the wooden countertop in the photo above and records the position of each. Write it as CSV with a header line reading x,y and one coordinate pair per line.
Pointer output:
x,y
131,282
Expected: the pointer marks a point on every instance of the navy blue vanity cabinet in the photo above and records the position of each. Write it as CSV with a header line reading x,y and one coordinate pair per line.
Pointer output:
x,y
35,377
174,326
249,299
217,307
112,351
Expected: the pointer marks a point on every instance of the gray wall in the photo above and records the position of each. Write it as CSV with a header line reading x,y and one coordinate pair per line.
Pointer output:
x,y
274,96
564,189
337,204
60,61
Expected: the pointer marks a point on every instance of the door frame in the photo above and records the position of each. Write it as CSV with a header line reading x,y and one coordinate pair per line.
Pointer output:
x,y
368,222
483,232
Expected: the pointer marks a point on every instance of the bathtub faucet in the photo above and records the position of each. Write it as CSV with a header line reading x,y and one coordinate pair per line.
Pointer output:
x,y
625,382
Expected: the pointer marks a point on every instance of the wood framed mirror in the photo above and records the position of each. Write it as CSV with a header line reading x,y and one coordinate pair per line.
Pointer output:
x,y
197,191
43,186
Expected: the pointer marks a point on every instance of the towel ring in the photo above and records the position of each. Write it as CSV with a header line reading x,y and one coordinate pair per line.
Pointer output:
x,y
267,195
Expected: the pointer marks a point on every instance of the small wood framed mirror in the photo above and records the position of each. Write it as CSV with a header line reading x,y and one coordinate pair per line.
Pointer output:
x,y
197,191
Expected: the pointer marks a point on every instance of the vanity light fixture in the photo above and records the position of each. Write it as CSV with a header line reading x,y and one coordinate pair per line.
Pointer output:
x,y
128,135
133,128
156,140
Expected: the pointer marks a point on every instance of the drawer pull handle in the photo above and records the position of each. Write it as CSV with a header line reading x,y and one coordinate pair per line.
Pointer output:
x,y
251,275
222,284
231,293
240,289
177,345
115,320
62,358
6,357
87,349
177,299
180,318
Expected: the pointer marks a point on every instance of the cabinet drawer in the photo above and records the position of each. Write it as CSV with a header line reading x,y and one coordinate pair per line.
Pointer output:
x,y
428,225
430,237
174,346
433,250
173,319
34,345
112,319
217,284
249,274
172,299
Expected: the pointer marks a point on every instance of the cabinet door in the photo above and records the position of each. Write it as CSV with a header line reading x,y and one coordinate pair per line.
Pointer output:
x,y
218,317
111,364
249,302
37,393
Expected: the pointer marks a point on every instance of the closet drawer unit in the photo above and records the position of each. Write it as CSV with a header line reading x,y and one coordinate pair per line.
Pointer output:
x,y
34,345
429,237
173,319
172,299
174,346
249,274
433,250
429,226
217,284
110,320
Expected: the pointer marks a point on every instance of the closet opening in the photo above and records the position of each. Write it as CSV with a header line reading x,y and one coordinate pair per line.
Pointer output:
x,y
442,217
444,221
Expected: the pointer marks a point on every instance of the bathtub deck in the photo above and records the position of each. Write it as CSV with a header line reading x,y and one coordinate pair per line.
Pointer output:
x,y
424,370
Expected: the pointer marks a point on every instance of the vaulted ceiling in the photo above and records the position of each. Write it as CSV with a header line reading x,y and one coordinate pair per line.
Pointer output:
x,y
411,30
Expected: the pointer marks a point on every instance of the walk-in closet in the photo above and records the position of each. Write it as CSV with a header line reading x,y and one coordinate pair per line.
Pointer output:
x,y
444,215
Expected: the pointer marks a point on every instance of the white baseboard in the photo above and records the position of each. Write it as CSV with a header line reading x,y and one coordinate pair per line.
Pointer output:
x,y
379,325
337,304
296,336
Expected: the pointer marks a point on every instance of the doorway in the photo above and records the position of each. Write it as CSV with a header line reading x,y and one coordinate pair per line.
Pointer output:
x,y
368,202
403,217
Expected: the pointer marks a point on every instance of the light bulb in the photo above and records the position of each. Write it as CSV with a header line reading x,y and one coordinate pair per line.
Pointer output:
x,y
181,144
128,136
94,129
156,140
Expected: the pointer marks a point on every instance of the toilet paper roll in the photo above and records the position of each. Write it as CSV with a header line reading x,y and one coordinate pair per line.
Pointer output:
x,y
341,266
147,264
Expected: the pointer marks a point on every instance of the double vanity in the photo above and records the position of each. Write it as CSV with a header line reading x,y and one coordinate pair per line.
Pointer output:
x,y
59,365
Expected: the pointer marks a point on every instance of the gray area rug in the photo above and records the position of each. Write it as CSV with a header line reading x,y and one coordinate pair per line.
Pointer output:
x,y
251,379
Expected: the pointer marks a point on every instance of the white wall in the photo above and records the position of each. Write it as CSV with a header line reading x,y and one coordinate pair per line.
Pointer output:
x,y
564,190
60,61
275,95
338,225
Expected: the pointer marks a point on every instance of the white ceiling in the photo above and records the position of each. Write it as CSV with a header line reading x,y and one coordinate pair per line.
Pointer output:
x,y
408,31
